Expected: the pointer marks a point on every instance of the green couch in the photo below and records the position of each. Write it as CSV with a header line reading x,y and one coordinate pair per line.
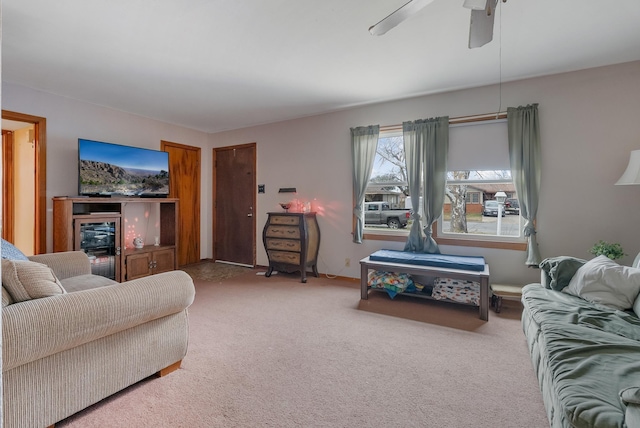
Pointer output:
x,y
586,355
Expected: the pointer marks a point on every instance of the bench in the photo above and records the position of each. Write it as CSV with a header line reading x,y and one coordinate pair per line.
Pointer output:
x,y
409,267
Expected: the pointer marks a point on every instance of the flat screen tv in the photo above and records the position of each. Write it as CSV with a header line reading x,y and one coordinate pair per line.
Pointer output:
x,y
106,169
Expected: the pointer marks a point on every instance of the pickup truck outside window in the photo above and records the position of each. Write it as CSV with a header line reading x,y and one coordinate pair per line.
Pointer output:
x,y
381,213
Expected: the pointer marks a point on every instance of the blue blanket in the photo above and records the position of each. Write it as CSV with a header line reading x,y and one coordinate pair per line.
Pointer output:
x,y
475,263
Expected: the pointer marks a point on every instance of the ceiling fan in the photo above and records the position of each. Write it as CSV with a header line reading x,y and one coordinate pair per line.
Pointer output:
x,y
480,29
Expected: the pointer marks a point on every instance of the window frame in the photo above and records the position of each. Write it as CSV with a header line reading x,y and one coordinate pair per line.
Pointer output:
x,y
491,241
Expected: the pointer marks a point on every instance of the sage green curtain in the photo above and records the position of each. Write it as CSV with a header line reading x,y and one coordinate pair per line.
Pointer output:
x,y
426,145
524,155
364,143
413,160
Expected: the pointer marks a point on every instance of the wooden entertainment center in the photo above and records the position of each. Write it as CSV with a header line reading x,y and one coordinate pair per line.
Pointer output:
x,y
102,228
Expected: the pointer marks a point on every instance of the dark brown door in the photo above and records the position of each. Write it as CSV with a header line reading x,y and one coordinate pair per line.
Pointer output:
x,y
184,184
234,184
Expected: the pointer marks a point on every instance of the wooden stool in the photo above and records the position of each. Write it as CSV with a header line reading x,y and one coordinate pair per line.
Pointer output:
x,y
502,291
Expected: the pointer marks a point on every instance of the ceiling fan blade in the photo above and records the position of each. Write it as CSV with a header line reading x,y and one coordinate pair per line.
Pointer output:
x,y
398,16
475,4
481,27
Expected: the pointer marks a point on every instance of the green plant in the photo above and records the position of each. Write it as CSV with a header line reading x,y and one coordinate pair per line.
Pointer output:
x,y
613,251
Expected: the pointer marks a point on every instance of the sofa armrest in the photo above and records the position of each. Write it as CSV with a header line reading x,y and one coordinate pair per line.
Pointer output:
x,y
38,328
631,398
65,264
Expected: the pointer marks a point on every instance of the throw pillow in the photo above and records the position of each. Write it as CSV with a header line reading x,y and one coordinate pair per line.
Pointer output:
x,y
457,290
25,280
560,270
603,281
9,251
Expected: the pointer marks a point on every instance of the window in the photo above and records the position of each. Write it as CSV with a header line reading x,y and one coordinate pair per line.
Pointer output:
x,y
478,169
388,184
478,163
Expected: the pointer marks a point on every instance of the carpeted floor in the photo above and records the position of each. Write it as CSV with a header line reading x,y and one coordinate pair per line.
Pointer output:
x,y
273,352
214,271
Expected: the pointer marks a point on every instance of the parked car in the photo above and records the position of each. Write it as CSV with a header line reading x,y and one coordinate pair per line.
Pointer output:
x,y
490,208
382,213
512,206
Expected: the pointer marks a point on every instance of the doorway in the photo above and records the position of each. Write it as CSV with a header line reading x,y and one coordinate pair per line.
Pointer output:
x,y
234,199
24,173
184,184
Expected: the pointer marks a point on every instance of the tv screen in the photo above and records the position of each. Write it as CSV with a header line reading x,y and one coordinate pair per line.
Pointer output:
x,y
106,169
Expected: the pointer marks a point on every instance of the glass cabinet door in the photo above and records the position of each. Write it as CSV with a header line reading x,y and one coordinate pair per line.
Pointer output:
x,y
100,239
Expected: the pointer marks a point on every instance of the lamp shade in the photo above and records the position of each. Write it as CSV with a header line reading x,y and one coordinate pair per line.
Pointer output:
x,y
632,173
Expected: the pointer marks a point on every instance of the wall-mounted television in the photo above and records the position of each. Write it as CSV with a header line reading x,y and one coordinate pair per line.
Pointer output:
x,y
106,169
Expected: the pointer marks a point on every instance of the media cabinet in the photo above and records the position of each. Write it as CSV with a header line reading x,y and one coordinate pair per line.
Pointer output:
x,y
104,228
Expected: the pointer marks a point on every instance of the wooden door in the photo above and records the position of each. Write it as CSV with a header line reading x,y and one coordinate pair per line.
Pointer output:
x,y
7,186
234,186
184,184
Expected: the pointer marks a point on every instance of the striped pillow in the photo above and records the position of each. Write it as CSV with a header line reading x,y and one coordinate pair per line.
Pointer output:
x,y
26,280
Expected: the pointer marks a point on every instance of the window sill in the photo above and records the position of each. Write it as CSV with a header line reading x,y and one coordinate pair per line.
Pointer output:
x,y
396,236
518,246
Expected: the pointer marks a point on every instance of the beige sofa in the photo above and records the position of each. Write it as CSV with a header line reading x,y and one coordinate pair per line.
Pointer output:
x,y
72,339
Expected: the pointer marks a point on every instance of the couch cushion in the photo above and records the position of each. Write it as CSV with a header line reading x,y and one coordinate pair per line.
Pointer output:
x,y
603,281
9,251
25,280
588,353
85,282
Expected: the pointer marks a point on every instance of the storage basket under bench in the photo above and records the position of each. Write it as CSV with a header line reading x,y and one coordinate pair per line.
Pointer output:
x,y
465,268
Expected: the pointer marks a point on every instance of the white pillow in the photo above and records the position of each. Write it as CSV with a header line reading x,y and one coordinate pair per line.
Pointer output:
x,y
603,281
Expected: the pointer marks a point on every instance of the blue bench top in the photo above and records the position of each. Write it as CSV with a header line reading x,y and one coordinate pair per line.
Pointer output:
x,y
449,261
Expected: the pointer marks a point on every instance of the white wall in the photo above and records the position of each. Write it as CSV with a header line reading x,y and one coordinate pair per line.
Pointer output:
x,y
68,120
589,124
590,121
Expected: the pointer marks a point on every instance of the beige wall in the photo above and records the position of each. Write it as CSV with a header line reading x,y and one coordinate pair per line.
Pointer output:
x,y
68,120
589,124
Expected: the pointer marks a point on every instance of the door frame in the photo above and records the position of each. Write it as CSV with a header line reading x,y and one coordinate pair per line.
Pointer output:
x,y
215,195
196,212
40,203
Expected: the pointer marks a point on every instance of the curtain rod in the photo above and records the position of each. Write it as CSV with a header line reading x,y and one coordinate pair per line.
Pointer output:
x,y
459,119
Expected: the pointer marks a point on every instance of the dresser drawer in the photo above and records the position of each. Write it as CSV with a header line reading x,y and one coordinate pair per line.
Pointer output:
x,y
283,244
291,232
284,219
284,257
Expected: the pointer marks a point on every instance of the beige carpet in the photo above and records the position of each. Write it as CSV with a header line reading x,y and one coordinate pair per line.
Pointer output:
x,y
214,271
273,352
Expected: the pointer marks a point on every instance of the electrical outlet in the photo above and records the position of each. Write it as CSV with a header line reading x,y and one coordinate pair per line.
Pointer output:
x,y
347,262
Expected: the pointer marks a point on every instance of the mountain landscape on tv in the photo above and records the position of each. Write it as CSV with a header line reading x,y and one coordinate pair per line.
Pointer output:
x,y
98,178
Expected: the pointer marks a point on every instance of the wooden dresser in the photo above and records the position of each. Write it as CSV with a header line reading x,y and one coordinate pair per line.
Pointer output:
x,y
292,241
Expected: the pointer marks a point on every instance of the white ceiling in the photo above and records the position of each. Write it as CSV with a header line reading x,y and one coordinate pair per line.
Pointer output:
x,y
215,65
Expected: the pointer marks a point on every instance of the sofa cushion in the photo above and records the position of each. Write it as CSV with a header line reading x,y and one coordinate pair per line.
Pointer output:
x,y
85,282
584,355
25,280
9,251
603,281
